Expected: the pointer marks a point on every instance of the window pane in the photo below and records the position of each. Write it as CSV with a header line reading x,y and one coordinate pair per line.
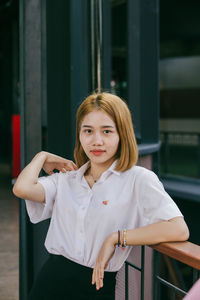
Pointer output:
x,y
119,51
180,87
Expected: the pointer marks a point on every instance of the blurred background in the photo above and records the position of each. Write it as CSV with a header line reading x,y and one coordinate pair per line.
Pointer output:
x,y
52,55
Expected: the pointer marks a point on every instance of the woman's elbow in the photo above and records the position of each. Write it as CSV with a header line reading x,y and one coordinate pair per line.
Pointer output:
x,y
16,191
179,230
183,232
19,191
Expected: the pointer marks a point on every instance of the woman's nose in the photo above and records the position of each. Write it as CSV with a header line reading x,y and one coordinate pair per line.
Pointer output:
x,y
97,139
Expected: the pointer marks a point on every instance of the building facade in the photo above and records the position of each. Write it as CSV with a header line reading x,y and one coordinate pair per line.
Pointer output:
x,y
54,54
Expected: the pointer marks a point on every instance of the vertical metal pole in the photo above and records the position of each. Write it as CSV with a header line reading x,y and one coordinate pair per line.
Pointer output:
x,y
106,43
133,62
77,54
23,257
30,114
142,272
92,33
99,43
166,152
195,275
173,294
96,43
198,153
156,270
126,281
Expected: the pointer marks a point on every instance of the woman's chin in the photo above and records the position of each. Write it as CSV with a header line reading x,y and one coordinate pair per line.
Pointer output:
x,y
101,160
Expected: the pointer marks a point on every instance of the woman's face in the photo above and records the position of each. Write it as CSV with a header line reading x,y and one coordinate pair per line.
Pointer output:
x,y
99,137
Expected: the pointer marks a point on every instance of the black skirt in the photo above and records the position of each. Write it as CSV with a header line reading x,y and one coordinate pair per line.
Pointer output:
x,y
62,279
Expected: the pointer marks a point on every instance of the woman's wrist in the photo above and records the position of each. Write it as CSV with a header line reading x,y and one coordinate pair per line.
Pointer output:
x,y
40,158
41,154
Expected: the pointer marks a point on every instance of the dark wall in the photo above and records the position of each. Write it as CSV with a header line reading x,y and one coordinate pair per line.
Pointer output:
x,y
179,28
8,19
180,103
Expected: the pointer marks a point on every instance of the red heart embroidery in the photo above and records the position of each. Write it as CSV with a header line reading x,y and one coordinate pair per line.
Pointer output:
x,y
105,202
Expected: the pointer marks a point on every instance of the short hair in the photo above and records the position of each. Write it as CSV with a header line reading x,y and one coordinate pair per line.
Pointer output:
x,y
117,109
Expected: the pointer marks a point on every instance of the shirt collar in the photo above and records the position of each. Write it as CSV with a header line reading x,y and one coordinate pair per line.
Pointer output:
x,y
112,168
109,171
80,172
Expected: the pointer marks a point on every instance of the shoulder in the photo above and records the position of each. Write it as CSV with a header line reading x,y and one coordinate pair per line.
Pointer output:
x,y
143,177
141,172
67,177
56,177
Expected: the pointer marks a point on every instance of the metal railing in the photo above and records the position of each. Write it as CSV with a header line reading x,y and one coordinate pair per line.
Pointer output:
x,y
184,252
141,269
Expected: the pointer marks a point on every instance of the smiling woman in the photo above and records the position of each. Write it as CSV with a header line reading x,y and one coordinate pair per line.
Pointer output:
x,y
99,205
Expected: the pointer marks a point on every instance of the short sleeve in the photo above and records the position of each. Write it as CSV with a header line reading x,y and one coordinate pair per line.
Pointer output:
x,y
41,211
155,203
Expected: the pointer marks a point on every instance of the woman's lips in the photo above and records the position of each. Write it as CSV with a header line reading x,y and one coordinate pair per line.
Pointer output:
x,y
97,152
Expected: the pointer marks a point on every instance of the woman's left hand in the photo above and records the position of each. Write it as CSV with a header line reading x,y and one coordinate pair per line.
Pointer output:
x,y
105,254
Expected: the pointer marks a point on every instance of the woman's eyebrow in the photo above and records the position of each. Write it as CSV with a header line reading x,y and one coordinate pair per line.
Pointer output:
x,y
86,126
104,126
107,126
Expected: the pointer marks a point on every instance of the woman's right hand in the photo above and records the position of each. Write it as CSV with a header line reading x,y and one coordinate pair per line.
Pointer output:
x,y
59,163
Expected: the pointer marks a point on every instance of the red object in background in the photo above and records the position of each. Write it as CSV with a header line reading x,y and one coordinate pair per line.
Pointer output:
x,y
16,161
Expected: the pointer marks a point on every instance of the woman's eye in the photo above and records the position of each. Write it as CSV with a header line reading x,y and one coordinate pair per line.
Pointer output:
x,y
107,131
88,130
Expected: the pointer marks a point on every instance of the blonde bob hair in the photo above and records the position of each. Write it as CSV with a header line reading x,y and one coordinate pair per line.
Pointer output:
x,y
127,153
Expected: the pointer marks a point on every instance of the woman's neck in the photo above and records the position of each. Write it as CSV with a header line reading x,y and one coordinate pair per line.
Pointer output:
x,y
96,170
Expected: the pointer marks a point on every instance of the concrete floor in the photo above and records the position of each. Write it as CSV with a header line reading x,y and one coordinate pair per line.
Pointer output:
x,y
9,237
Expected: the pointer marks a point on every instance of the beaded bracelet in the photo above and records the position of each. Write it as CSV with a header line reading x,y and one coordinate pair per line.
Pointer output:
x,y
122,238
119,241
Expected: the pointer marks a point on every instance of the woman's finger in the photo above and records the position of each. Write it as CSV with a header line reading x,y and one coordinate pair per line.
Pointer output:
x,y
70,166
101,282
97,279
93,276
101,277
75,166
63,170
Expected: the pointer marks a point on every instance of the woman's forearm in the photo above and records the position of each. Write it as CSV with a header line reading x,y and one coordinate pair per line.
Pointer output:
x,y
28,178
165,231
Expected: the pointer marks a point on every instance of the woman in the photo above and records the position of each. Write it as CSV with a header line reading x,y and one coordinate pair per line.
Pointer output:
x,y
101,202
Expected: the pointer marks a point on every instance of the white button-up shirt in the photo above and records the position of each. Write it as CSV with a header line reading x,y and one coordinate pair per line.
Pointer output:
x,y
82,217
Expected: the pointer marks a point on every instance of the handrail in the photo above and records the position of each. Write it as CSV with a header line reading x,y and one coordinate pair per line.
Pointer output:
x,y
185,252
179,132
